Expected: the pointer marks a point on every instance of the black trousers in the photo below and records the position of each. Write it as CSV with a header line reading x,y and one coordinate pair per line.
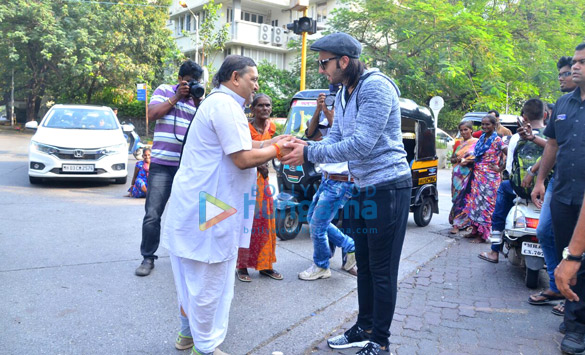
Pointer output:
x,y
378,223
564,218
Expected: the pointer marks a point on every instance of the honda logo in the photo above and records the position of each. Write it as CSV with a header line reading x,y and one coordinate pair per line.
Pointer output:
x,y
78,153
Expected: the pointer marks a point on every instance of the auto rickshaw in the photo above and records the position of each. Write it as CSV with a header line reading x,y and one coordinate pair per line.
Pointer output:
x,y
297,186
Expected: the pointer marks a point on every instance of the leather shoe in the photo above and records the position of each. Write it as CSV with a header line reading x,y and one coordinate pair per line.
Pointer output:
x,y
353,271
573,343
145,268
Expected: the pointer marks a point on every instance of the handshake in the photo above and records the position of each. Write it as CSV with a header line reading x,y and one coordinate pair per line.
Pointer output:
x,y
289,149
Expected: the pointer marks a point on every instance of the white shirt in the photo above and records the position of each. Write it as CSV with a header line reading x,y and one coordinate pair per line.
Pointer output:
x,y
331,168
219,129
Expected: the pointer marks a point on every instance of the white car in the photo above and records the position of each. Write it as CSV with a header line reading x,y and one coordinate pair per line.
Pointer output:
x,y
78,142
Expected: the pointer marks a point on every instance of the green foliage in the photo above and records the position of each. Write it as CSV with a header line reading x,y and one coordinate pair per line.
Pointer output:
x,y
279,129
71,52
279,84
213,39
476,54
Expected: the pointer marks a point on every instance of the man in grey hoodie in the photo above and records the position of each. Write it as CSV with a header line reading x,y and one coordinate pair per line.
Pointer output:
x,y
366,132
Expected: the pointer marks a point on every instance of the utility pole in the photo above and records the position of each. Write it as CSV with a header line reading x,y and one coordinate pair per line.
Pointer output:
x,y
12,118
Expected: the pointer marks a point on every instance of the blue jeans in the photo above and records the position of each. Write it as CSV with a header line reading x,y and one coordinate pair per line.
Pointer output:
x,y
160,182
329,198
504,203
546,237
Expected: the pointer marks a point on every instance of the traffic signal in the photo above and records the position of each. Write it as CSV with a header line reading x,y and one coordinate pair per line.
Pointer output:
x,y
304,24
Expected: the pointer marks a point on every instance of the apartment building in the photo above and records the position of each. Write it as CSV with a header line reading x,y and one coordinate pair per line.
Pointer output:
x,y
257,28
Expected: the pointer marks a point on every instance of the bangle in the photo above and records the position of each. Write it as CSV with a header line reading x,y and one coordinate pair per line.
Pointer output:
x,y
262,144
170,102
278,154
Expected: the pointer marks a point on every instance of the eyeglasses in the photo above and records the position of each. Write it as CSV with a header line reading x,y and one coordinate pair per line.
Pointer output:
x,y
580,61
323,62
565,74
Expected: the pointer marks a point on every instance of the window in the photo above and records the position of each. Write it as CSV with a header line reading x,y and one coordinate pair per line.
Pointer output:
x,y
188,23
322,12
181,24
229,14
274,23
250,17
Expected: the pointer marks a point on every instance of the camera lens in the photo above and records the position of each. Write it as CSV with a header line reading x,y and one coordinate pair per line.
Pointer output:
x,y
196,89
330,100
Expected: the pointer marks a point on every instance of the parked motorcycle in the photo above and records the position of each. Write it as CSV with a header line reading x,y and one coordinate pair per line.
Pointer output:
x,y
135,147
520,240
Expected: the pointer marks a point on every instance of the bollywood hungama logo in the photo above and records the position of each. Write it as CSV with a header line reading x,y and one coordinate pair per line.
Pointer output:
x,y
204,199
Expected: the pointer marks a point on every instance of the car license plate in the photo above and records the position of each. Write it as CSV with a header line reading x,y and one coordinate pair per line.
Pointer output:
x,y
532,249
427,180
78,168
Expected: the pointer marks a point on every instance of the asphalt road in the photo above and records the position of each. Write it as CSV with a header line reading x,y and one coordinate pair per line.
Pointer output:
x,y
68,251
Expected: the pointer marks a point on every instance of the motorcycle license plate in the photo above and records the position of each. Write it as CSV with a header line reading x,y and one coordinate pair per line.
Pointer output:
x,y
532,249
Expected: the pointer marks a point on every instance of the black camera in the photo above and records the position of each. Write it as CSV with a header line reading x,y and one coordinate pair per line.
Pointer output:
x,y
330,98
196,89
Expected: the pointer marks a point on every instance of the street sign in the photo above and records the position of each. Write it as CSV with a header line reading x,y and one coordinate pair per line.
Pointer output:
x,y
436,104
141,92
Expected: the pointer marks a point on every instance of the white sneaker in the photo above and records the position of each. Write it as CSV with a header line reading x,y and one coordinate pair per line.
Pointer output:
x,y
349,261
496,237
314,273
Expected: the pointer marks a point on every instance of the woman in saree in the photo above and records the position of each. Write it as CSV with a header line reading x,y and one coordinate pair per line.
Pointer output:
x,y
261,253
481,200
462,172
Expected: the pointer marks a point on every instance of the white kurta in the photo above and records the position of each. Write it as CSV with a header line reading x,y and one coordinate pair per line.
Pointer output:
x,y
219,128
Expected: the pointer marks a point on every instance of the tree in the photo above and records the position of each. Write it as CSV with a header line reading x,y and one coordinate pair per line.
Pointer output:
x,y
213,39
71,51
477,54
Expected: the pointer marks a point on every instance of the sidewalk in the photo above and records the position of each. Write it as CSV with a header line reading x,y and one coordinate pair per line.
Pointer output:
x,y
459,304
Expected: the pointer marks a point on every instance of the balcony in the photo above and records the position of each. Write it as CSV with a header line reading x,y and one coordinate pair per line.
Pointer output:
x,y
248,34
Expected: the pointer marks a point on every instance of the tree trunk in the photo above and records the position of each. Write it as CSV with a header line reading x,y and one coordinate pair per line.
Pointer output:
x,y
30,106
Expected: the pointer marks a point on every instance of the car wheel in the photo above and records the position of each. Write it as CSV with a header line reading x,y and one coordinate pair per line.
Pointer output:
x,y
288,225
34,180
121,180
424,213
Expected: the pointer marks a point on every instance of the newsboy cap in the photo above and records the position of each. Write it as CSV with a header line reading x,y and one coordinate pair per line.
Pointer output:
x,y
338,43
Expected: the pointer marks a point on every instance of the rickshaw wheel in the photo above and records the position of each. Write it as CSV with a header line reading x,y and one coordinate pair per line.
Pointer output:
x,y
288,225
424,213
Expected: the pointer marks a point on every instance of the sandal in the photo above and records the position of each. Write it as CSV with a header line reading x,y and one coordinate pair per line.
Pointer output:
x,y
485,256
454,230
242,275
478,240
543,298
273,274
559,309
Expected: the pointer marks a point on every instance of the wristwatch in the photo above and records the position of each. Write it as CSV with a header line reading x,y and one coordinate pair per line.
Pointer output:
x,y
567,256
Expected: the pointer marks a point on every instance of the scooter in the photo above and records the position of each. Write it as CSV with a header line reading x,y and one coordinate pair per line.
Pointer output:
x,y
135,147
520,240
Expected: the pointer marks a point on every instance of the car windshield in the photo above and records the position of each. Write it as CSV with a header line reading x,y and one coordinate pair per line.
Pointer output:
x,y
81,118
300,113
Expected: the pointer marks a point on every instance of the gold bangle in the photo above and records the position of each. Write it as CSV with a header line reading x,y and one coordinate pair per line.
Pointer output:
x,y
170,102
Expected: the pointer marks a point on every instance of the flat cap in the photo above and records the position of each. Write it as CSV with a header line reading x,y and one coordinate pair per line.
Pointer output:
x,y
338,43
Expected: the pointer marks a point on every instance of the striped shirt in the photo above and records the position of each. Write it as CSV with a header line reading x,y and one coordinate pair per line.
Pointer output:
x,y
169,131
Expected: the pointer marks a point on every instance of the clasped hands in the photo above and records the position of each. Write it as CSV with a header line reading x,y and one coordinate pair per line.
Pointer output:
x,y
291,150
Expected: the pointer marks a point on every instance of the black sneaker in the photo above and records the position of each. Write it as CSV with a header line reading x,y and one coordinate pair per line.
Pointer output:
x,y
573,343
372,348
145,268
353,337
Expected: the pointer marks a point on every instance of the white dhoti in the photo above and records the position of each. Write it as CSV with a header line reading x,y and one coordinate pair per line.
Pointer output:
x,y
205,292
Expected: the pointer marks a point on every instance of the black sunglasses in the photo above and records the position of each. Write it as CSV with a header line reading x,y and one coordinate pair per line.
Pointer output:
x,y
323,62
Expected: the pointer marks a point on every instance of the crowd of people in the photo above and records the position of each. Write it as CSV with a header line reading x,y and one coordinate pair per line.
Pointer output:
x,y
207,150
490,172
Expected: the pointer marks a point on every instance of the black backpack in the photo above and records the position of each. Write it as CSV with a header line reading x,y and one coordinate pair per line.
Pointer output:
x,y
526,154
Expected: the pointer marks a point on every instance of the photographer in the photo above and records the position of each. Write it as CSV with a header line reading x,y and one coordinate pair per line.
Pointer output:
x,y
172,107
366,133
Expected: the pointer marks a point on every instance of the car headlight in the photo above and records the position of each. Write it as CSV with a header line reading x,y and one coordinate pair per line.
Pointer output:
x,y
43,148
114,149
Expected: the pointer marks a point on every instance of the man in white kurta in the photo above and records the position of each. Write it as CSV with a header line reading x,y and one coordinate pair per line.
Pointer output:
x,y
204,261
